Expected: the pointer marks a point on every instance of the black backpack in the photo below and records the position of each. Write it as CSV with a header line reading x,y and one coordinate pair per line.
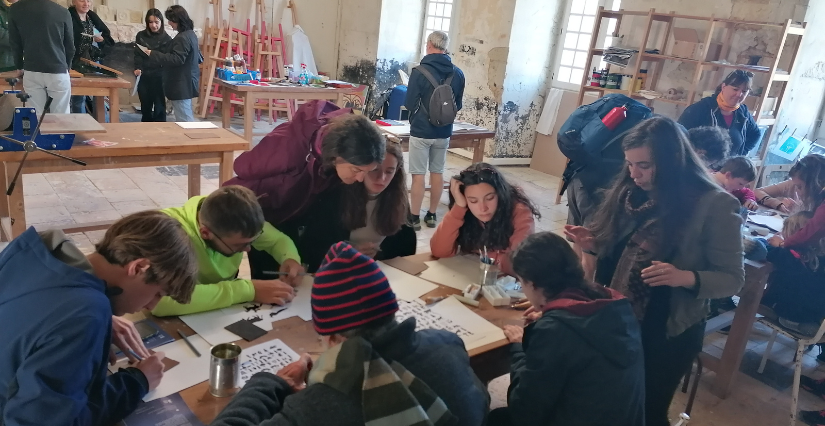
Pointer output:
x,y
442,108
595,152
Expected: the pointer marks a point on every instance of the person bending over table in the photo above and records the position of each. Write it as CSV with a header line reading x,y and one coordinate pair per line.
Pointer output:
x,y
486,212
725,109
601,359
668,238
710,143
53,364
374,370
807,185
222,226
735,176
371,216
179,59
322,147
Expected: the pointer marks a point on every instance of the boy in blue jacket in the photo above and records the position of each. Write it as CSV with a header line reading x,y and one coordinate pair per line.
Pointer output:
x,y
56,307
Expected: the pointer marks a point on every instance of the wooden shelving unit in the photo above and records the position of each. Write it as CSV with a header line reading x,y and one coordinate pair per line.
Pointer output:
x,y
655,62
772,77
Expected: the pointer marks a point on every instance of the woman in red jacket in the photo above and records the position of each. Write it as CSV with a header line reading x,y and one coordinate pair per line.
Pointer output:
x,y
486,211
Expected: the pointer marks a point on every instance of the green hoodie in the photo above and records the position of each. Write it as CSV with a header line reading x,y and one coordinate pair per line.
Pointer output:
x,y
217,286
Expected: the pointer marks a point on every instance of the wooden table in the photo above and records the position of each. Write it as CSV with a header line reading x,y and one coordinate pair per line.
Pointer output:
x,y
743,317
138,145
474,139
489,361
90,86
252,94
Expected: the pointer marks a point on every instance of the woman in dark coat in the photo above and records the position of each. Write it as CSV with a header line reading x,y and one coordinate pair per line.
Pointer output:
x,y
150,88
85,22
180,59
726,110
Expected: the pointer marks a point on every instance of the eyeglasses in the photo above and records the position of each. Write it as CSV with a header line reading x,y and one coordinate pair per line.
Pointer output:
x,y
740,73
243,247
477,171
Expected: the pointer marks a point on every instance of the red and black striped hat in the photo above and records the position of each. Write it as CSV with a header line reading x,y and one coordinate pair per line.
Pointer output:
x,y
350,291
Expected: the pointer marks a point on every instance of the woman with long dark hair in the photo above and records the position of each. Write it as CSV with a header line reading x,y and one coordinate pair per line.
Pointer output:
x,y
371,216
726,109
668,238
180,59
486,212
600,360
807,184
150,88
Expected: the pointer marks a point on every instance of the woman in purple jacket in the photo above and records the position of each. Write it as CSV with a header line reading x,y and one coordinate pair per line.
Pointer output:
x,y
321,146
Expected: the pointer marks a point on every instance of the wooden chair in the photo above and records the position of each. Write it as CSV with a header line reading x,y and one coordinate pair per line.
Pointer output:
x,y
802,342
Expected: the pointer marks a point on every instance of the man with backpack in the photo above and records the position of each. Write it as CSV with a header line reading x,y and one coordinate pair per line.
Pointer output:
x,y
433,99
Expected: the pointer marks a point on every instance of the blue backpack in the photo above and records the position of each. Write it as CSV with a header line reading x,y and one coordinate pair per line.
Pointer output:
x,y
594,151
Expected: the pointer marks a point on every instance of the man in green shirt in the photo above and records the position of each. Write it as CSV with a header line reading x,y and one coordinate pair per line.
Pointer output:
x,y
222,226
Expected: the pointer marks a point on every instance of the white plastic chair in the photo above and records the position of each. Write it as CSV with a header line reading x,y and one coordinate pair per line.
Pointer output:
x,y
802,342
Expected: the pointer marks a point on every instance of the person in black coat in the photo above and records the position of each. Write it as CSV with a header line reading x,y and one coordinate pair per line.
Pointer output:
x,y
726,110
580,360
150,87
84,23
180,59
371,215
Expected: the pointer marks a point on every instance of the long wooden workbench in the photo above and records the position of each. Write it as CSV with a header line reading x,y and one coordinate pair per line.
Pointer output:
x,y
138,145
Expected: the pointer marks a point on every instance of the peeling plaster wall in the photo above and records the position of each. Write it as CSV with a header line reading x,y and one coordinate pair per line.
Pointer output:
x,y
802,107
528,75
747,40
481,50
399,41
358,29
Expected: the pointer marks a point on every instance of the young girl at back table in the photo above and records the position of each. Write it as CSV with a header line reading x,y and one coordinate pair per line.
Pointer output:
x,y
486,212
807,178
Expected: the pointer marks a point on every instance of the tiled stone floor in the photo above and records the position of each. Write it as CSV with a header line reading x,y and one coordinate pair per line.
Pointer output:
x,y
59,199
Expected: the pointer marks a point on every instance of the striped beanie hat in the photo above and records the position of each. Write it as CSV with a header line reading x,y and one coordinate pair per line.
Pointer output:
x,y
349,291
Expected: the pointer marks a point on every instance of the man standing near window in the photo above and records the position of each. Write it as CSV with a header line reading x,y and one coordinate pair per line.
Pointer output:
x,y
428,141
41,31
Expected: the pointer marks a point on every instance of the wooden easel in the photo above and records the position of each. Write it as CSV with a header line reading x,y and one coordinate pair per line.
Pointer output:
x,y
223,46
269,60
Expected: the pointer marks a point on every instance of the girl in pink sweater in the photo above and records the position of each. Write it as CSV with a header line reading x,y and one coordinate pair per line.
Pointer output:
x,y
808,180
485,211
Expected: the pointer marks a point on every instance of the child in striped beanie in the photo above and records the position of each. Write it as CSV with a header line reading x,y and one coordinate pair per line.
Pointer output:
x,y
349,291
374,369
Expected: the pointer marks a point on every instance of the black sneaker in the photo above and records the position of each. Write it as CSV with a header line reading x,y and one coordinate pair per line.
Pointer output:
x,y
814,418
816,387
416,222
430,220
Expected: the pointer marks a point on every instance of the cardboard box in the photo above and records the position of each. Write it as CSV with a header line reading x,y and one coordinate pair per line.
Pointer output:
x,y
686,44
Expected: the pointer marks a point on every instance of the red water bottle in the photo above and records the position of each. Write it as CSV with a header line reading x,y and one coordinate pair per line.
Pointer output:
x,y
615,117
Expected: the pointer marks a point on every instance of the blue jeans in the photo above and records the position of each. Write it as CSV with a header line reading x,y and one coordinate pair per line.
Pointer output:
x,y
183,110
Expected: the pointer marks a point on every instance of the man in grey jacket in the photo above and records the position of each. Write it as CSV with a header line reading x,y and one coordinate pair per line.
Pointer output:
x,y
40,32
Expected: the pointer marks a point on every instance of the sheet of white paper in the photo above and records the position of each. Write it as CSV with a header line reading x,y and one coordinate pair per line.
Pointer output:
x,y
210,325
197,125
404,285
269,356
397,130
773,222
484,331
456,272
451,315
137,81
192,369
